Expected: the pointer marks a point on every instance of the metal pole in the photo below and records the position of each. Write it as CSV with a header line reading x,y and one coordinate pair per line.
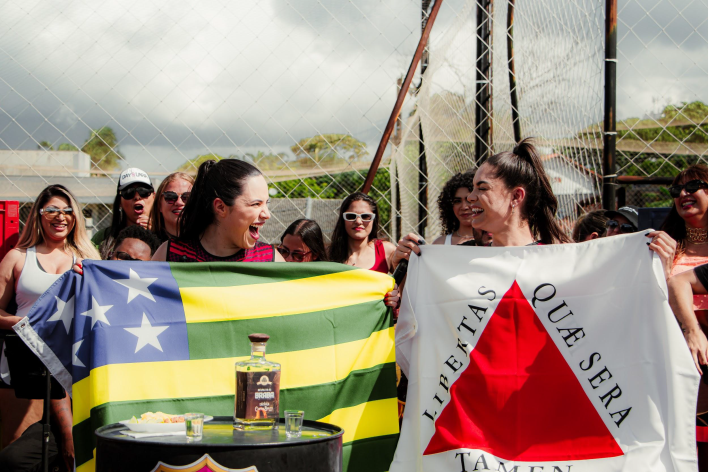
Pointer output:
x,y
483,86
423,166
402,95
513,76
609,110
45,420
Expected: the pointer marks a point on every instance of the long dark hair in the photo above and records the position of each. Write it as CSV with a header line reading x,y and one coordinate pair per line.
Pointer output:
x,y
449,221
522,167
309,231
674,224
223,179
339,243
594,221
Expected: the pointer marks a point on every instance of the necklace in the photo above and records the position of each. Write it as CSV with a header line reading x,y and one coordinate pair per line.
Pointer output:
x,y
696,235
462,236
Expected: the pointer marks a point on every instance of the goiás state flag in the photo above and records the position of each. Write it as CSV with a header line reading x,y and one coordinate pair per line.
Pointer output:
x,y
544,358
130,337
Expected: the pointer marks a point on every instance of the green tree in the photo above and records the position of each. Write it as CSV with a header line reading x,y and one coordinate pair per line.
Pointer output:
x,y
46,145
193,164
267,161
102,146
67,147
329,149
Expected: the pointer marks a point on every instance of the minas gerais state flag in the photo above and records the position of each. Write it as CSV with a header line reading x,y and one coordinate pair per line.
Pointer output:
x,y
544,358
131,337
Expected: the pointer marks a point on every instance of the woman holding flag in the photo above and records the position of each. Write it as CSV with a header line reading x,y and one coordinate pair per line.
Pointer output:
x,y
223,217
53,238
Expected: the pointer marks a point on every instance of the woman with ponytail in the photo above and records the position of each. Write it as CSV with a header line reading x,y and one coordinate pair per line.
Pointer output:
x,y
512,199
223,217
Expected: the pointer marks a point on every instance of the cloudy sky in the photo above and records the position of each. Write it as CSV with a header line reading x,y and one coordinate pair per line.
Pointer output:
x,y
179,78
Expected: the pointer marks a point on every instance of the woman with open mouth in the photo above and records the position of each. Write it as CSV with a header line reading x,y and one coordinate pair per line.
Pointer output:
x,y
134,201
172,195
222,219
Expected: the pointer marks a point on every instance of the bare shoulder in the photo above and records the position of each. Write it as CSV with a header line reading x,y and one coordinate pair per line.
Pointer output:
x,y
12,264
389,247
161,253
440,240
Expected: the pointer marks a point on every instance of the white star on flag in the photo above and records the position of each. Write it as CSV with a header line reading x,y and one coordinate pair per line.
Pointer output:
x,y
65,312
75,358
147,334
97,312
137,286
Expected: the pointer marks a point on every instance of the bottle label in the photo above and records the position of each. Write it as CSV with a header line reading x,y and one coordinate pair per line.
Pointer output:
x,y
257,394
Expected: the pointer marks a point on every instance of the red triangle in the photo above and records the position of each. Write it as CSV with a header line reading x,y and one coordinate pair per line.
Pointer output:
x,y
518,399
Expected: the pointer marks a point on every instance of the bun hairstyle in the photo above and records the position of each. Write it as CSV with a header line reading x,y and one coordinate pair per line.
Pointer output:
x,y
309,231
339,243
674,224
522,167
591,222
224,180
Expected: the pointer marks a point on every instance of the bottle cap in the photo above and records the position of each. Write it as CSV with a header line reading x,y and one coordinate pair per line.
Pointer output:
x,y
258,337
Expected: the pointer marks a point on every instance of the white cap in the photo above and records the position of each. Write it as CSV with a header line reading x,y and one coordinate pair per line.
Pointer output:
x,y
131,176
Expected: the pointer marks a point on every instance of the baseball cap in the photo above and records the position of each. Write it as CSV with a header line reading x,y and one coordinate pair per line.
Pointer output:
x,y
132,176
630,213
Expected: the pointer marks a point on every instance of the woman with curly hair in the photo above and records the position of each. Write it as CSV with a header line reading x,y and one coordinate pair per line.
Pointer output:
x,y
455,211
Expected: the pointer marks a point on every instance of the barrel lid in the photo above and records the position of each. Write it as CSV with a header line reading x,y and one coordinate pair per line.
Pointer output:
x,y
259,337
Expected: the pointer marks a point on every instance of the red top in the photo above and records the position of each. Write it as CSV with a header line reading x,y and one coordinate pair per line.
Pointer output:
x,y
193,252
380,258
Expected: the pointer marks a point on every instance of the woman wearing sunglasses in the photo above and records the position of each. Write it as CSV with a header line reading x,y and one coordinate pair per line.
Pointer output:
x,y
354,240
54,237
172,195
302,242
223,217
687,224
134,201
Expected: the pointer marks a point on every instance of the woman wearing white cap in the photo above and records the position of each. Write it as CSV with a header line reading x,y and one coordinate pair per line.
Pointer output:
x,y
134,201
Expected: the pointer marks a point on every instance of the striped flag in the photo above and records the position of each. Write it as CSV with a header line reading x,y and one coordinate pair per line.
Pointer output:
x,y
128,338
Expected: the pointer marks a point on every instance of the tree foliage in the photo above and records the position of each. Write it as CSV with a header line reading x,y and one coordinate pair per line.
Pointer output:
x,y
45,145
329,149
67,147
102,146
193,164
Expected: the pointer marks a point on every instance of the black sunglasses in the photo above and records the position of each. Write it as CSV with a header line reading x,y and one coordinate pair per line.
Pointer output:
x,y
691,187
624,227
129,192
123,256
171,197
297,255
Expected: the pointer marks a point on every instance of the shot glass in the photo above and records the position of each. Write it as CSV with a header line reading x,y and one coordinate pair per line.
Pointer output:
x,y
294,424
194,425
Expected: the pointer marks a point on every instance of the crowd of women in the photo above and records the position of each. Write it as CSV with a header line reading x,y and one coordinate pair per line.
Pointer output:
x,y
507,201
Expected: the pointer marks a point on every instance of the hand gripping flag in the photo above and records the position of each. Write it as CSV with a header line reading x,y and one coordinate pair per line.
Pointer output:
x,y
130,337
544,358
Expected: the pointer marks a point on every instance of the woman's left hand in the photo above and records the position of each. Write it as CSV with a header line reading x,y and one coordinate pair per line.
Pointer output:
x,y
665,247
392,298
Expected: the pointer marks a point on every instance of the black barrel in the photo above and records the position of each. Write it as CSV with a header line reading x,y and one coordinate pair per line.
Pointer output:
x,y
319,448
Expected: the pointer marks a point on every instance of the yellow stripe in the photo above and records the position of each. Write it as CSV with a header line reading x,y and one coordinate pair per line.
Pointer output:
x,y
214,377
212,304
370,419
89,465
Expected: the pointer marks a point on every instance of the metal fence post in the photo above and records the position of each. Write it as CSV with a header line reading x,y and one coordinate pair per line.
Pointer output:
x,y
609,107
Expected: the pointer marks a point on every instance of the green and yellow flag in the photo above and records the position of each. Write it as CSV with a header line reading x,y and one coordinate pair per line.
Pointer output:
x,y
128,338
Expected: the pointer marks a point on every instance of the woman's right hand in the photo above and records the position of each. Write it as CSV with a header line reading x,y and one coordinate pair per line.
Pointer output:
x,y
406,245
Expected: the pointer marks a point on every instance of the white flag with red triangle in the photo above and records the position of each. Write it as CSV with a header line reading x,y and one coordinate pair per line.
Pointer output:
x,y
544,358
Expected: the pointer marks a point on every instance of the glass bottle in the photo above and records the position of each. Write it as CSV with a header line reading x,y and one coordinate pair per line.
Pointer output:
x,y
257,388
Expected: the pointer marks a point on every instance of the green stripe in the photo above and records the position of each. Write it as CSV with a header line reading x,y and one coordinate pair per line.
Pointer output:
x,y
303,331
317,401
372,454
245,274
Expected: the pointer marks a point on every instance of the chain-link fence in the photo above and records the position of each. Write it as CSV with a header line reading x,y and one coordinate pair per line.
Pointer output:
x,y
304,88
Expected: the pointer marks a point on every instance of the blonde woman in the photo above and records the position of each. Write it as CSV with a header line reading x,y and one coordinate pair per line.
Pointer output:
x,y
170,199
54,238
